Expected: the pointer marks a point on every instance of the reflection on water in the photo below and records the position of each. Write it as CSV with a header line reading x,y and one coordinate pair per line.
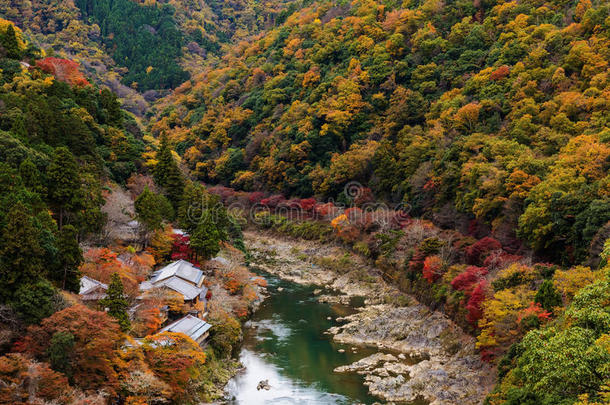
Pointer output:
x,y
285,344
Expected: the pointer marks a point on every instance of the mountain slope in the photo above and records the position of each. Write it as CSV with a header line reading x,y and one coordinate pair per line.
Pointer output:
x,y
133,46
492,110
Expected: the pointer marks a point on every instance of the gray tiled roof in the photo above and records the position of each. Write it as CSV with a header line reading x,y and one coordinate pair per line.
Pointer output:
x,y
180,268
87,284
189,325
188,290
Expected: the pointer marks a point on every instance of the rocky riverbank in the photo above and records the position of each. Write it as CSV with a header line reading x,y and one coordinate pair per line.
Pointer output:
x,y
432,359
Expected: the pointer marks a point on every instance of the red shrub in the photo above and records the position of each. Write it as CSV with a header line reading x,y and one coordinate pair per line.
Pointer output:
x,y
476,254
64,70
181,249
465,281
500,73
475,312
308,204
327,210
432,268
255,197
226,194
477,228
273,201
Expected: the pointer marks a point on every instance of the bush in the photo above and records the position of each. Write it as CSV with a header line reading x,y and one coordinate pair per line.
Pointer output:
x,y
35,302
224,336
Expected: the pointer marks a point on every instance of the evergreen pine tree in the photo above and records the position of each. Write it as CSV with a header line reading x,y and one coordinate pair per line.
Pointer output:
x,y
205,240
61,352
34,300
21,255
116,303
191,206
547,296
32,177
167,174
10,43
149,209
64,183
70,257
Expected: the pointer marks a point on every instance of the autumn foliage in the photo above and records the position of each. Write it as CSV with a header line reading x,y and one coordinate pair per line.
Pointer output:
x,y
101,263
64,70
432,268
95,359
175,359
25,380
477,253
467,280
475,311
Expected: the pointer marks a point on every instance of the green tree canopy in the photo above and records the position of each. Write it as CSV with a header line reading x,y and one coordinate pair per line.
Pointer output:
x,y
167,174
116,302
21,256
205,240
64,183
70,257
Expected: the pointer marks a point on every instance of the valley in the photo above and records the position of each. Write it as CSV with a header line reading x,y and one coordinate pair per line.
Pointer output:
x,y
304,201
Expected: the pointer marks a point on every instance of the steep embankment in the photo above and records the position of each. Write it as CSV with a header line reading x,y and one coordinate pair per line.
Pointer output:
x,y
447,369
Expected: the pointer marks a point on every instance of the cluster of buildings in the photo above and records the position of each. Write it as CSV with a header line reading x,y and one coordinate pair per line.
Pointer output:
x,y
180,277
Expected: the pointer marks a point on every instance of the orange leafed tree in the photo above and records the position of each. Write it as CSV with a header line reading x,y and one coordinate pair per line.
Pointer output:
x,y
101,263
95,360
64,70
25,381
432,268
176,359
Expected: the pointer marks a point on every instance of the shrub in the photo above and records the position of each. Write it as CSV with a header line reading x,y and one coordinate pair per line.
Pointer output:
x,y
432,268
467,280
476,253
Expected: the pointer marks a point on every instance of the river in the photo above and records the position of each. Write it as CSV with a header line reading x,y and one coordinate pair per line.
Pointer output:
x,y
284,343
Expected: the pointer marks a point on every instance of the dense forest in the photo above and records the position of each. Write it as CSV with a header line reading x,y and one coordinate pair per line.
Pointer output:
x,y
144,39
142,46
59,141
495,111
489,120
67,150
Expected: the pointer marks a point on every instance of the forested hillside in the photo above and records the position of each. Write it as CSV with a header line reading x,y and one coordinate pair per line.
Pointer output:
x,y
67,154
135,46
487,121
58,143
490,110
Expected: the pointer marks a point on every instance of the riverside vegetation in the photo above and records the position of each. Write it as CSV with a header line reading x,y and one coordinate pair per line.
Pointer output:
x,y
487,119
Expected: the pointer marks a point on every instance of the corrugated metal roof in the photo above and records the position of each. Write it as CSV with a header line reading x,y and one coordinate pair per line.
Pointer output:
x,y
177,284
180,268
87,284
189,325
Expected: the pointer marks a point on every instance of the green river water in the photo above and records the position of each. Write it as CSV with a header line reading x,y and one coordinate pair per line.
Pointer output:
x,y
285,344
